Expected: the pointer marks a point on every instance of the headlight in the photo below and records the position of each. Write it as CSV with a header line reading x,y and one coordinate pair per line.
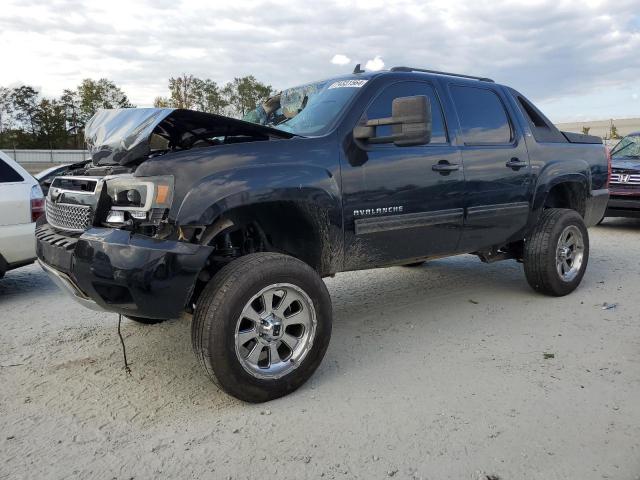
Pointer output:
x,y
140,194
139,200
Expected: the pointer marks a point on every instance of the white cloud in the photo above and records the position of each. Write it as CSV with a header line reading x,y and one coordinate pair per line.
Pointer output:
x,y
339,59
139,45
374,64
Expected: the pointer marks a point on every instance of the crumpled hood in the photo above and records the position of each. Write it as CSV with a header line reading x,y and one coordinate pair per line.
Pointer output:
x,y
123,136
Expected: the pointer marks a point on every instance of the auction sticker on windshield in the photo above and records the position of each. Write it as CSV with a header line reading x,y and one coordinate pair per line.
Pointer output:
x,y
348,84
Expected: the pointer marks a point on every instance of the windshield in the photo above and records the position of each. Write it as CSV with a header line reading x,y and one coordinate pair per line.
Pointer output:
x,y
306,110
627,147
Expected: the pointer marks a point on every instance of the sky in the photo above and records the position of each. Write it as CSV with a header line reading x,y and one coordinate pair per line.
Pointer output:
x,y
577,60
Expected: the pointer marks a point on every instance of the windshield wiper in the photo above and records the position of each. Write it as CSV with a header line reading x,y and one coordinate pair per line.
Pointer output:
x,y
615,152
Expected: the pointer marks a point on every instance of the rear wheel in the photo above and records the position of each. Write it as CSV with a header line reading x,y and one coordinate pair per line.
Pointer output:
x,y
262,326
557,252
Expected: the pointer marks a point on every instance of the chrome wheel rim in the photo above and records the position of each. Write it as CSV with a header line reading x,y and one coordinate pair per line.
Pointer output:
x,y
569,253
275,331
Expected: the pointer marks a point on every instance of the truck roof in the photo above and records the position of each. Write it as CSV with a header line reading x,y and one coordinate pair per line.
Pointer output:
x,y
414,71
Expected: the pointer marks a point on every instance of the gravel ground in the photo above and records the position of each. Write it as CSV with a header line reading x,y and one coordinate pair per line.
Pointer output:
x,y
452,370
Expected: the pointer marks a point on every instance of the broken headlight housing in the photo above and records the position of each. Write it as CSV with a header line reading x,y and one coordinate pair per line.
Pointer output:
x,y
138,200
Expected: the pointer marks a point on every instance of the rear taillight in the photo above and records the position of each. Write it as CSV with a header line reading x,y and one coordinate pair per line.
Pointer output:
x,y
37,203
608,152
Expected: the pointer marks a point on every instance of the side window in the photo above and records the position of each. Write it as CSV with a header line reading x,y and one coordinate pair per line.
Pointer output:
x,y
483,118
543,130
8,174
381,107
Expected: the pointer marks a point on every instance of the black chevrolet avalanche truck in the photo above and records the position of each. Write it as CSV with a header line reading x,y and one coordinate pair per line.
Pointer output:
x,y
238,221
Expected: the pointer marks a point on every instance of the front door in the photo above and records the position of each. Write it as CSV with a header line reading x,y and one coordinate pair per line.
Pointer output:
x,y
401,203
496,166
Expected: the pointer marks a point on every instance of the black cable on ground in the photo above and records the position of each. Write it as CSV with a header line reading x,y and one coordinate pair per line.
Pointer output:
x,y
124,350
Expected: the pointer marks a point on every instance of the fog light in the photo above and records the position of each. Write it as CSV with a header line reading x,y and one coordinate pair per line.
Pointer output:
x,y
115,216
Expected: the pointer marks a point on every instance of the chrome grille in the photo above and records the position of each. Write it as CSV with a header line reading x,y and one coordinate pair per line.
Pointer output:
x,y
75,218
626,178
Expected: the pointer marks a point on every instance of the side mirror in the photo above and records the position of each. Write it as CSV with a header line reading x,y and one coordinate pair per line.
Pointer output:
x,y
410,123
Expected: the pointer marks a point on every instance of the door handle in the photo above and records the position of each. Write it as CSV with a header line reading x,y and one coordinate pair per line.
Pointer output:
x,y
444,167
516,163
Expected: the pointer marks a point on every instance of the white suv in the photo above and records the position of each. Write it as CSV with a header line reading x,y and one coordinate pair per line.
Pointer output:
x,y
21,203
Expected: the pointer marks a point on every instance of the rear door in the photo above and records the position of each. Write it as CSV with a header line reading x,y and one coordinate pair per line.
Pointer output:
x,y
496,166
15,203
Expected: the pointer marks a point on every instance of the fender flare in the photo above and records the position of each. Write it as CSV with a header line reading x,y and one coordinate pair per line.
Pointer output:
x,y
313,188
556,173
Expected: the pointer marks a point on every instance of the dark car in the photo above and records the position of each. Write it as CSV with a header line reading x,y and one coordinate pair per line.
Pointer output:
x,y
238,222
624,184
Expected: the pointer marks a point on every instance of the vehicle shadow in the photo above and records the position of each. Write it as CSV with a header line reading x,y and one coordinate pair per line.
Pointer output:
x,y
163,352
376,302
620,223
30,280
435,281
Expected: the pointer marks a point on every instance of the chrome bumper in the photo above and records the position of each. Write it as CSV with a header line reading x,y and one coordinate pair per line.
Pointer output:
x,y
66,285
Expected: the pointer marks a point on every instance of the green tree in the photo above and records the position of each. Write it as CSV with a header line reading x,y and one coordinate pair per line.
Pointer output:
x,y
236,98
182,91
51,122
208,96
585,130
29,121
93,95
162,102
25,102
244,94
6,110
71,105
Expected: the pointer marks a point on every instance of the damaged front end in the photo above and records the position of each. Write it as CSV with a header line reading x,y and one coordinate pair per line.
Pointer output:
x,y
106,238
130,136
107,193
106,242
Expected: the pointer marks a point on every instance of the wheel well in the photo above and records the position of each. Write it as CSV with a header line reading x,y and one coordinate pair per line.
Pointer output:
x,y
571,195
293,228
286,228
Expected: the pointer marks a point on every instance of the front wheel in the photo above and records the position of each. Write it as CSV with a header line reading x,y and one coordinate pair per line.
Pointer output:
x,y
262,326
556,253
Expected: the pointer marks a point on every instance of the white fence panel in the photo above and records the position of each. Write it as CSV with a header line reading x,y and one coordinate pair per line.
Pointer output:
x,y
47,156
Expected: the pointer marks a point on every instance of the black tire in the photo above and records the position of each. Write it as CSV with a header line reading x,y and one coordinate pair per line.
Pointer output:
x,y
145,321
540,252
218,311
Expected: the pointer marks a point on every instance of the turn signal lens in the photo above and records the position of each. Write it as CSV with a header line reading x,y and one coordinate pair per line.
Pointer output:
x,y
162,193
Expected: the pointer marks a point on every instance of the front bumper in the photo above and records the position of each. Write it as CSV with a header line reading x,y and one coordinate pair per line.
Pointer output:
x,y
117,271
627,205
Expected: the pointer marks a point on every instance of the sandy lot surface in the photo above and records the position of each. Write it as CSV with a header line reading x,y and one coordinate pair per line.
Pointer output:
x,y
435,372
